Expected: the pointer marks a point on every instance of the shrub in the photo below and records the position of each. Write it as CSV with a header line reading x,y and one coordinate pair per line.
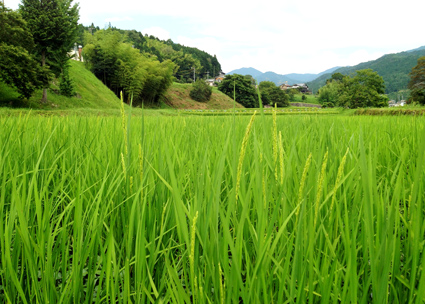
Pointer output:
x,y
66,85
200,91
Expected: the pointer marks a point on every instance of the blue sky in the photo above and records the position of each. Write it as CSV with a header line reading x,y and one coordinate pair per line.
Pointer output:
x,y
283,36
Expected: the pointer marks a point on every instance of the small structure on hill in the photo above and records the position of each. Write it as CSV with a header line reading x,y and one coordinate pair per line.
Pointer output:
x,y
302,87
393,103
77,53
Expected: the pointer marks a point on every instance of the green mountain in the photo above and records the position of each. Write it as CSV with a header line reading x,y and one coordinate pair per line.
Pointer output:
x,y
246,71
279,79
394,68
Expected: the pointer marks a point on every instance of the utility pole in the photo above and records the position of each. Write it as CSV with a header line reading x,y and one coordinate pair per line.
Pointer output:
x,y
194,74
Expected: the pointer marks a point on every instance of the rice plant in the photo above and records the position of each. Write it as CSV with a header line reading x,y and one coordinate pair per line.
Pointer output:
x,y
317,209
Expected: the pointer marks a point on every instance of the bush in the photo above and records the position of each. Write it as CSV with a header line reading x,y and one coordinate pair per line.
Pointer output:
x,y
66,85
201,91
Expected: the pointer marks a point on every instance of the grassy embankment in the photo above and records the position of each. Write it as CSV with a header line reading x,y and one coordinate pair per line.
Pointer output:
x,y
310,99
94,98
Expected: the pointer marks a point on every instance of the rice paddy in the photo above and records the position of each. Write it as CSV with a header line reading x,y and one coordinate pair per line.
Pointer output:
x,y
225,209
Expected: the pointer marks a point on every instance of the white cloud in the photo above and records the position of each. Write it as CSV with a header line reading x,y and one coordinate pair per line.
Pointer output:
x,y
282,36
158,32
118,19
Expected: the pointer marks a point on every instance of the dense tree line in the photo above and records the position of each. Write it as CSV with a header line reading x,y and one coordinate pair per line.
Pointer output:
x,y
187,60
123,68
243,89
363,89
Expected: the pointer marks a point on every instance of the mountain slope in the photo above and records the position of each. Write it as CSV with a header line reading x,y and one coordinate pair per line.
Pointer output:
x,y
279,79
394,69
246,71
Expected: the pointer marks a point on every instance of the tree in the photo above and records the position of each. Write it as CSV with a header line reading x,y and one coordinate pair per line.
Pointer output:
x,y
417,81
278,97
273,95
329,94
364,89
201,91
18,68
242,88
54,26
338,77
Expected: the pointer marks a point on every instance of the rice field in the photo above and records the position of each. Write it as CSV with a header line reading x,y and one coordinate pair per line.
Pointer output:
x,y
226,209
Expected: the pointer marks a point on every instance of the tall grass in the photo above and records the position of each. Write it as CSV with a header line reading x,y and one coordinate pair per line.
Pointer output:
x,y
336,216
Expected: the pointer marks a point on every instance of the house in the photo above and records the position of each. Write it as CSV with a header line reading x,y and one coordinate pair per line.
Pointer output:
x,y
285,86
393,103
302,87
220,77
210,82
76,53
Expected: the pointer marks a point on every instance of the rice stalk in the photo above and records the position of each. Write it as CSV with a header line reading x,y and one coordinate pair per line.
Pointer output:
x,y
242,154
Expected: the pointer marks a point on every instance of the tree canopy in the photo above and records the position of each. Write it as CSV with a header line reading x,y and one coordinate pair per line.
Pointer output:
x,y
242,88
54,27
363,89
273,95
122,67
18,68
417,81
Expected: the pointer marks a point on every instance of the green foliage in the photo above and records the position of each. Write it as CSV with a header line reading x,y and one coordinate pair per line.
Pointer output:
x,y
242,88
417,81
265,85
364,89
18,68
66,85
201,91
123,68
54,27
273,95
329,94
186,59
338,77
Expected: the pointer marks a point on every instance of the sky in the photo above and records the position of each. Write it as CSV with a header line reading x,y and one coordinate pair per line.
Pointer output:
x,y
283,36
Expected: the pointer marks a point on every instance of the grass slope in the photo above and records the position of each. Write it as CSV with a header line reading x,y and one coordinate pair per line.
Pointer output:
x,y
178,97
93,96
91,93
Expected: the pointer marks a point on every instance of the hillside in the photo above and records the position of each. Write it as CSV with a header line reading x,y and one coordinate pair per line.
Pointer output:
x,y
91,93
394,69
184,56
177,97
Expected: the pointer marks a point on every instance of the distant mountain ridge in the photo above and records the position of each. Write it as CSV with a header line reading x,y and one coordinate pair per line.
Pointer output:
x,y
393,68
279,79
